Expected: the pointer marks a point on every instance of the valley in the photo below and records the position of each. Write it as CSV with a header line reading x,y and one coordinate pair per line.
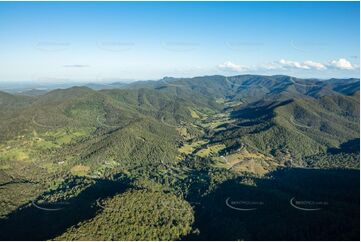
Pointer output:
x,y
157,160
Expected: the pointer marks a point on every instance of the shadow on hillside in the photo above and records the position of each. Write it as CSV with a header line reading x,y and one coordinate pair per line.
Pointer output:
x,y
332,194
350,146
258,111
32,223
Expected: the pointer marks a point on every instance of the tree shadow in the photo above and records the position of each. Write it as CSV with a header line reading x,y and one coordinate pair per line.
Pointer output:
x,y
234,211
32,222
259,110
350,146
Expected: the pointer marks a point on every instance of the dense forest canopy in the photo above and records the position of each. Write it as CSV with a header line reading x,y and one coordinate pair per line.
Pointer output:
x,y
158,160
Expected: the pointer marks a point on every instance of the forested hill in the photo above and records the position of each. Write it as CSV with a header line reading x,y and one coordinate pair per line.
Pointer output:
x,y
253,87
320,114
179,140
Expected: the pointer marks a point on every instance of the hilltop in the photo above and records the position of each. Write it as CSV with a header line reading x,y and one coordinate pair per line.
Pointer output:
x,y
177,138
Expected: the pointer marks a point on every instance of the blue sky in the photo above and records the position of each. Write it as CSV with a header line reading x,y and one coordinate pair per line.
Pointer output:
x,y
102,41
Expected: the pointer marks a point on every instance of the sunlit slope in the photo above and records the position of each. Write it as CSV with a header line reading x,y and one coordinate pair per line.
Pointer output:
x,y
283,116
251,88
297,127
91,132
136,215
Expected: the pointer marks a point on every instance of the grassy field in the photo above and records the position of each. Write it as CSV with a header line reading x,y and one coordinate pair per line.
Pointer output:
x,y
194,114
210,150
80,170
244,161
29,147
189,148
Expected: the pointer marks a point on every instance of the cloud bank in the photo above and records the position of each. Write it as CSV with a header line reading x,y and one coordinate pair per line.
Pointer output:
x,y
340,64
229,66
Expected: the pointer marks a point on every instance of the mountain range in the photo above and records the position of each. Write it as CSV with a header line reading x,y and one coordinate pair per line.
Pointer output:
x,y
175,138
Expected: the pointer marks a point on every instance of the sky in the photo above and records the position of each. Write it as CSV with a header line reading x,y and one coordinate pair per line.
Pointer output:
x,y
114,41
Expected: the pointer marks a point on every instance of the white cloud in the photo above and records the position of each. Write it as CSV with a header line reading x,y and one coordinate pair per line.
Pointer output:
x,y
307,65
231,67
292,64
315,65
285,65
342,64
274,65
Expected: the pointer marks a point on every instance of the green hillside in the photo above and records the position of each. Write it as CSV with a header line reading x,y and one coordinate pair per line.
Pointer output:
x,y
178,140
